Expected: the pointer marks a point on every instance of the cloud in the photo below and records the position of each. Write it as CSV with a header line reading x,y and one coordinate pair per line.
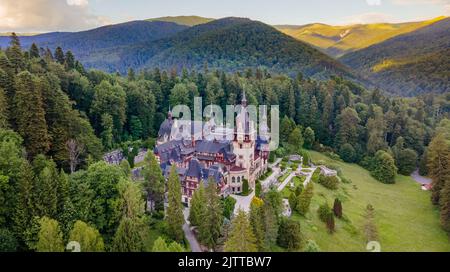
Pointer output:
x,y
444,4
373,2
368,18
47,15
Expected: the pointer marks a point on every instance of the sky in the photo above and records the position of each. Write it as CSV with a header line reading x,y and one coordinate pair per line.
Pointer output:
x,y
74,15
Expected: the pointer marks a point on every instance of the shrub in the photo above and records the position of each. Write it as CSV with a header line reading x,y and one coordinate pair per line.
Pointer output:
x,y
337,208
384,168
331,182
258,189
311,246
245,189
316,175
293,200
304,200
228,206
323,212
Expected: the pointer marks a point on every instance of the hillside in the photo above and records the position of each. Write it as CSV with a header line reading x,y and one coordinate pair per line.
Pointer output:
x,y
85,43
404,216
337,41
231,44
183,20
408,64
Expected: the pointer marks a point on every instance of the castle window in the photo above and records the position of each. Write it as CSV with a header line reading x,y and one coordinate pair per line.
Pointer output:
x,y
239,179
233,180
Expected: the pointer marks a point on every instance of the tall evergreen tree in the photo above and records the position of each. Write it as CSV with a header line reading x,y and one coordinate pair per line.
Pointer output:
x,y
212,219
438,165
34,51
30,115
174,216
198,206
128,237
59,55
256,218
154,181
4,116
241,238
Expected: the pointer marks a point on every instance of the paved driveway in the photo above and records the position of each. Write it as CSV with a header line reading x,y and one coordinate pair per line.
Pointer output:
x,y
189,234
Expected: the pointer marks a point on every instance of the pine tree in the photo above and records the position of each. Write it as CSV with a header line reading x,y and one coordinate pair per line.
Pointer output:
x,y
59,55
24,207
257,222
438,165
30,115
128,237
290,235
89,238
241,237
50,237
154,181
69,61
34,51
270,226
211,223
174,216
198,206
444,201
4,116
45,187
107,132
14,54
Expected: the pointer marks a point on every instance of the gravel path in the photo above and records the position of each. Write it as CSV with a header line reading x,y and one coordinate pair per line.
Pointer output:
x,y
420,179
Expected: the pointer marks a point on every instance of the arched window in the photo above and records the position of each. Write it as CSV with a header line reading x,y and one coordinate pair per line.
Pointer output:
x,y
239,179
242,178
233,180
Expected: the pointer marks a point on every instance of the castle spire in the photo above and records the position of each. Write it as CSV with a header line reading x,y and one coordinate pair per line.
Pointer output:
x,y
169,114
244,100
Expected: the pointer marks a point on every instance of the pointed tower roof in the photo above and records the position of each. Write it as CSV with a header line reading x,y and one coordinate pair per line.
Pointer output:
x,y
244,100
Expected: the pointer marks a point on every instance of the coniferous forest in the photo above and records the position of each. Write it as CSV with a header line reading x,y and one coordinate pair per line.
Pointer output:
x,y
57,119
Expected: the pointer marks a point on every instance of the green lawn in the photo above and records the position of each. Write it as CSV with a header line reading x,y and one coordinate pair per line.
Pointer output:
x,y
405,218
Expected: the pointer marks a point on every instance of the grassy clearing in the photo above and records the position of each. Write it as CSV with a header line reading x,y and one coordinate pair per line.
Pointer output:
x,y
404,216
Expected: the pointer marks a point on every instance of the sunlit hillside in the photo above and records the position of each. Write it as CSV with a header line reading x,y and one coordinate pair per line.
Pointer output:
x,y
340,40
184,20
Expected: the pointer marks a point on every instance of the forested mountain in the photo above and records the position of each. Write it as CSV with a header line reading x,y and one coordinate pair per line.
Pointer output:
x,y
337,41
230,44
409,64
183,20
84,43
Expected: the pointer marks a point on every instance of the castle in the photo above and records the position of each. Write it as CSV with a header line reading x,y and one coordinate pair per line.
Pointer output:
x,y
227,162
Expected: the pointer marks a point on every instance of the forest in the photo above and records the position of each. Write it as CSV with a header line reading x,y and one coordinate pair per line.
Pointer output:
x,y
58,118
